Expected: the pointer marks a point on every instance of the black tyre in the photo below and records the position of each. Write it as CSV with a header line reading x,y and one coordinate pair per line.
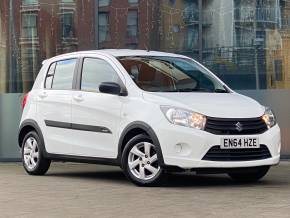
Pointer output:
x,y
140,162
33,160
250,175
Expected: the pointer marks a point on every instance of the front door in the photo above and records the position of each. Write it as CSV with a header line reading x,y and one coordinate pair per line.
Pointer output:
x,y
96,116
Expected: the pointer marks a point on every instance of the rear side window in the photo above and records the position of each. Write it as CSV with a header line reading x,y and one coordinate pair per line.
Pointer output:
x,y
95,71
49,77
60,75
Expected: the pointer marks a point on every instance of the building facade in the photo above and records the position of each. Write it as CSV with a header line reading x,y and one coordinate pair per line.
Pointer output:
x,y
244,42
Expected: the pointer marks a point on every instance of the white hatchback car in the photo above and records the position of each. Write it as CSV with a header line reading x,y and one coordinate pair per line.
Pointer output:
x,y
148,112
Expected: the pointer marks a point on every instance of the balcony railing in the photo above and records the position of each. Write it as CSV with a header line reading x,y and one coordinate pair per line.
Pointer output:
x,y
285,22
29,40
250,14
244,43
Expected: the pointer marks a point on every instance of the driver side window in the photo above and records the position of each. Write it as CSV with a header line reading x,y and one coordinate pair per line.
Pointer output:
x,y
96,71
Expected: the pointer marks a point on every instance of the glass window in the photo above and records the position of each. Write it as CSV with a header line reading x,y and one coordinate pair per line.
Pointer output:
x,y
63,75
104,3
96,71
170,74
245,37
278,70
67,1
29,25
246,43
171,2
103,26
191,38
29,2
238,40
67,21
190,12
133,2
132,23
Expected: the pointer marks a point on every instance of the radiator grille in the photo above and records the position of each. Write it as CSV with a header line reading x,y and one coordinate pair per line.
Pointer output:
x,y
220,126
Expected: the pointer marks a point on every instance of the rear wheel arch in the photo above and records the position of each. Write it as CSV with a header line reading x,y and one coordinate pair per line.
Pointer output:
x,y
23,132
137,128
33,159
26,127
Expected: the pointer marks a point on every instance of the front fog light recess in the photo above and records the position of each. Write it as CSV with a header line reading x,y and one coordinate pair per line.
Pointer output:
x,y
183,117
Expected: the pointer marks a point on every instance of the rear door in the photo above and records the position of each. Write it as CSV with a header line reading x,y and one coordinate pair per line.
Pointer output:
x,y
54,106
96,116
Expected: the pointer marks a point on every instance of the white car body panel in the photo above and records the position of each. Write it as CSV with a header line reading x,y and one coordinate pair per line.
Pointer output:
x,y
228,105
55,106
94,109
196,143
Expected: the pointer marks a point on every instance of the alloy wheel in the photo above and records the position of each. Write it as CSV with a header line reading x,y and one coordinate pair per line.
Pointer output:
x,y
143,161
31,153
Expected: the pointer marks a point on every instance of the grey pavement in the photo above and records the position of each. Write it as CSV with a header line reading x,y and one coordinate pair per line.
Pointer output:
x,y
81,190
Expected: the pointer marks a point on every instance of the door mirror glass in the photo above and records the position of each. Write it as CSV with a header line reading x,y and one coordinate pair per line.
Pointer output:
x,y
110,88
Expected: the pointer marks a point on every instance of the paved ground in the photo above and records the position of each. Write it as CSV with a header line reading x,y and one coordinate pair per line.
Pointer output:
x,y
80,190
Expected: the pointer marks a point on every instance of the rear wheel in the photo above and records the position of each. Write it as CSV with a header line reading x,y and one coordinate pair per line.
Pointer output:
x,y
32,155
140,162
250,175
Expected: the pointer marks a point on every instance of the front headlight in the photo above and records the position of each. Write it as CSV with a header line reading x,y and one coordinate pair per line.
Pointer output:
x,y
269,118
184,117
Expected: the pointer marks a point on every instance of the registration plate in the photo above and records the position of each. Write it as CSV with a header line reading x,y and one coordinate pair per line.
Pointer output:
x,y
239,143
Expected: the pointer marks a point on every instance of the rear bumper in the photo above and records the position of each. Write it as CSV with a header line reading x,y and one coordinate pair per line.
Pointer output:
x,y
185,148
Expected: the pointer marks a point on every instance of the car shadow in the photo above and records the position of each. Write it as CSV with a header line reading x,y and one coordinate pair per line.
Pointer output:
x,y
203,180
109,175
171,180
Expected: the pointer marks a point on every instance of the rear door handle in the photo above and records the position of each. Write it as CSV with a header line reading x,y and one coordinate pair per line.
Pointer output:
x,y
43,94
78,98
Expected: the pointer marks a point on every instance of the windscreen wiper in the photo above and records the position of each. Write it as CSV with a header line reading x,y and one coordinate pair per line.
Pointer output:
x,y
193,90
221,91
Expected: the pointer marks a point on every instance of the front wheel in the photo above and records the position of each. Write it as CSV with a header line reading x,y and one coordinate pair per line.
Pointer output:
x,y
250,175
33,160
140,162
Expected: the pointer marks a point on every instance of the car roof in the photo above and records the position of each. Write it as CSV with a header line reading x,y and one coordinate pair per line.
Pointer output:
x,y
117,53
132,52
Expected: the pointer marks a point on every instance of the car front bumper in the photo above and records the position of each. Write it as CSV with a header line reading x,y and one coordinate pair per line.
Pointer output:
x,y
185,147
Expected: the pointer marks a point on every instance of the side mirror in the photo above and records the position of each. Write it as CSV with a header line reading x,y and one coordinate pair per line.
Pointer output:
x,y
110,88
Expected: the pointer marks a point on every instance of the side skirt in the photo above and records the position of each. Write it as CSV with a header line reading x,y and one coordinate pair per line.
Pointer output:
x,y
82,159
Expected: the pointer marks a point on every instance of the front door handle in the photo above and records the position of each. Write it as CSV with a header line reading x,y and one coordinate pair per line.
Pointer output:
x,y
78,98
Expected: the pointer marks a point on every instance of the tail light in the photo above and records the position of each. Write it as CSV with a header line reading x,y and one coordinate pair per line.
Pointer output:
x,y
24,101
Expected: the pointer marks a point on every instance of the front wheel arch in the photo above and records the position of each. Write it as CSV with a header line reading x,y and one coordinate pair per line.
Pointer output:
x,y
146,129
133,174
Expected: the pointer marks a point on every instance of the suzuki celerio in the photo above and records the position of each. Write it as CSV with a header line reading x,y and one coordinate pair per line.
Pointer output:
x,y
148,112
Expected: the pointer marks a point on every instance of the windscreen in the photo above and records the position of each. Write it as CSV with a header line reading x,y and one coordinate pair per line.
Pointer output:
x,y
170,74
